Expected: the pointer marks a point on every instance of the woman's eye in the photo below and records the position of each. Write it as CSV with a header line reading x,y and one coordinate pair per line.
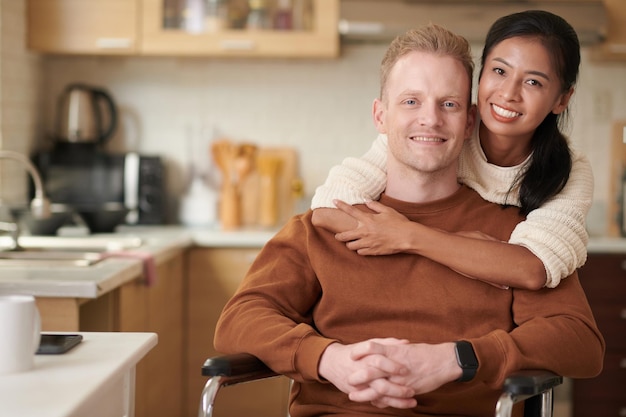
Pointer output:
x,y
534,82
499,71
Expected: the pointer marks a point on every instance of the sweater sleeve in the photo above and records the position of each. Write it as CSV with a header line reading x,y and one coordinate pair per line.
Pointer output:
x,y
556,232
356,180
270,315
555,330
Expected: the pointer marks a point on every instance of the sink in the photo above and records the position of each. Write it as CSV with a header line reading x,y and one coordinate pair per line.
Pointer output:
x,y
63,251
49,258
93,243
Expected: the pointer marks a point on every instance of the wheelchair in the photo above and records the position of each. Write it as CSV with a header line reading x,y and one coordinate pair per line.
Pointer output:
x,y
535,388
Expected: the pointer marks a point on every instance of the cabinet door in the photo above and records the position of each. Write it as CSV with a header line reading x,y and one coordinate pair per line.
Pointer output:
x,y
214,275
103,27
157,308
322,40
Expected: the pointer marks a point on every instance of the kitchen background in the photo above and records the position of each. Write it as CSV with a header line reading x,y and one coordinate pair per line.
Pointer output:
x,y
321,107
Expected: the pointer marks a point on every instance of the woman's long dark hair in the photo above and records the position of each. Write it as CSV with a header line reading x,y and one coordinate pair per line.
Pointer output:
x,y
551,162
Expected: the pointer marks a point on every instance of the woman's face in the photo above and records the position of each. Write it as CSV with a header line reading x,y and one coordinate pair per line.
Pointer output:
x,y
518,87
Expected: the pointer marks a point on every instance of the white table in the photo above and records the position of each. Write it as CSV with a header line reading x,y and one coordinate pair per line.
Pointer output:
x,y
96,379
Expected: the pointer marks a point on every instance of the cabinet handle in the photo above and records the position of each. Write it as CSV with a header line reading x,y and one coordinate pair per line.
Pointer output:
x,y
622,412
622,314
623,265
114,43
622,363
239,45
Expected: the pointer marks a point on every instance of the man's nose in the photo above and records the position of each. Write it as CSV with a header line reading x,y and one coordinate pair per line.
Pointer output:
x,y
430,114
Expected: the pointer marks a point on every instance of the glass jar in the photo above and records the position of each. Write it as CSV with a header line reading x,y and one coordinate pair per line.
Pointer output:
x,y
258,15
216,15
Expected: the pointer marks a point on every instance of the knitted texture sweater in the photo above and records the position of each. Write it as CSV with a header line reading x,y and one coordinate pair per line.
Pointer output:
x,y
306,290
554,232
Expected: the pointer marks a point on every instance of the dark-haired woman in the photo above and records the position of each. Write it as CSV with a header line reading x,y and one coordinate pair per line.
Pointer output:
x,y
517,156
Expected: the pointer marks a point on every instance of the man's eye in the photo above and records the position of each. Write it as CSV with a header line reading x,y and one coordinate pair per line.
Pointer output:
x,y
410,101
449,104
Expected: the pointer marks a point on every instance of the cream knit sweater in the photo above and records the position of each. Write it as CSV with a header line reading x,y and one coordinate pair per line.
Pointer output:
x,y
555,232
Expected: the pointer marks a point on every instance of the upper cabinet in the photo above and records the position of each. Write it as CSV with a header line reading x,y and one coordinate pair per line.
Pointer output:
x,y
107,27
221,28
614,47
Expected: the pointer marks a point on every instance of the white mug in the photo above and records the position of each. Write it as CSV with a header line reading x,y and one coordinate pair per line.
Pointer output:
x,y
20,329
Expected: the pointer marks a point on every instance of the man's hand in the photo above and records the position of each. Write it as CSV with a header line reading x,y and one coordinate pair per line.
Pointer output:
x,y
429,367
338,366
383,232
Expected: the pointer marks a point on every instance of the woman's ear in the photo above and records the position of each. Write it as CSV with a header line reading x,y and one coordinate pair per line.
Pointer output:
x,y
563,101
378,114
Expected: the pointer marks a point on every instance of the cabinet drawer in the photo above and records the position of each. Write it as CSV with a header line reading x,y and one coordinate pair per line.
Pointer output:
x,y
611,319
604,278
609,386
584,407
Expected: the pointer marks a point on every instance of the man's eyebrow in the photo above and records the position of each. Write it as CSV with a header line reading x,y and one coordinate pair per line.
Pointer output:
x,y
536,73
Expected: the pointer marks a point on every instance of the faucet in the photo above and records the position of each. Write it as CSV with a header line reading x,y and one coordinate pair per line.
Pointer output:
x,y
39,205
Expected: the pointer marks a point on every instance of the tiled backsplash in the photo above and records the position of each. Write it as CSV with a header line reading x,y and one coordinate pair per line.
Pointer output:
x,y
320,107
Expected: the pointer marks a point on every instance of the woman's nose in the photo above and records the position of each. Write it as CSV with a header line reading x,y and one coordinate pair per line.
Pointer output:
x,y
509,89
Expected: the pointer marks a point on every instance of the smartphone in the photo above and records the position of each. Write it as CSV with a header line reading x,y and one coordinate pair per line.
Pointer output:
x,y
54,344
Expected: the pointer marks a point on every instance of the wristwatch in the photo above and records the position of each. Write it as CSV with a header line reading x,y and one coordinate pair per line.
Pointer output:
x,y
466,358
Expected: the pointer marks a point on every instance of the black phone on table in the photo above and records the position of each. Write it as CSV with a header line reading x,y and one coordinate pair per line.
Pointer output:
x,y
57,343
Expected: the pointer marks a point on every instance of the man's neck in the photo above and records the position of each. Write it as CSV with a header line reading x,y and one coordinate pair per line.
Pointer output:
x,y
418,187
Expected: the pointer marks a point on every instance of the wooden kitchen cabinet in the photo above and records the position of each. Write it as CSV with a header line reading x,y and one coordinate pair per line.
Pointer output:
x,y
103,27
321,41
137,307
604,280
213,277
614,47
136,27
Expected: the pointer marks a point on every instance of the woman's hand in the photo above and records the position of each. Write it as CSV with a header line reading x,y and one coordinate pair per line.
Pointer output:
x,y
383,232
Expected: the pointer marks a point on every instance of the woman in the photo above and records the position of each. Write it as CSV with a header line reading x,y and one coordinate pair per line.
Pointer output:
x,y
517,156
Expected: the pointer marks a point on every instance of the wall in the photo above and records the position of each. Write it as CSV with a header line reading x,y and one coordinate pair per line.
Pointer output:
x,y
320,107
20,76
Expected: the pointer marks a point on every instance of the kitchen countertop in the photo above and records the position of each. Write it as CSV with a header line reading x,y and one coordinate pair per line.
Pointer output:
x,y
95,378
161,243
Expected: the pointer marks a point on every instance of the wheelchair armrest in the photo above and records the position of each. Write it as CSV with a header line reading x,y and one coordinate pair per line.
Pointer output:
x,y
237,368
531,382
229,370
532,386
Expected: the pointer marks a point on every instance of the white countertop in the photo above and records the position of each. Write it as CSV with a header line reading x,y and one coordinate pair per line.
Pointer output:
x,y
89,380
160,242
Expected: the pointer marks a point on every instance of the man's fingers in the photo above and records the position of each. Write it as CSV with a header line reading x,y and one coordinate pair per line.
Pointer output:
x,y
374,346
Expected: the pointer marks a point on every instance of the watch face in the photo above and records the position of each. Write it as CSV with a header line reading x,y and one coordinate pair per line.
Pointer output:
x,y
466,359
465,355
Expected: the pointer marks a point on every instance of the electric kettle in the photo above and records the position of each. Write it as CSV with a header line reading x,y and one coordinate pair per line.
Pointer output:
x,y
87,114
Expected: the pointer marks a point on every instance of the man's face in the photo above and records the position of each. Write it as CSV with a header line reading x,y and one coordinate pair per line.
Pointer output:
x,y
424,112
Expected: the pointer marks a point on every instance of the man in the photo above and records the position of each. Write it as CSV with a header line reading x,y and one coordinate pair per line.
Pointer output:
x,y
380,335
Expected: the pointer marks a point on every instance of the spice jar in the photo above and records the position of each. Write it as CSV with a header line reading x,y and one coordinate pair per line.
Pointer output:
x,y
216,15
258,15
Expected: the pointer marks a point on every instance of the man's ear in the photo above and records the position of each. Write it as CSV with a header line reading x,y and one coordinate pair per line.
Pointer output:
x,y
563,101
471,121
378,114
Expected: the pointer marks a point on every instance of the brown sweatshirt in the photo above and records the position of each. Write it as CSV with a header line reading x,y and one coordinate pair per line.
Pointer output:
x,y
306,290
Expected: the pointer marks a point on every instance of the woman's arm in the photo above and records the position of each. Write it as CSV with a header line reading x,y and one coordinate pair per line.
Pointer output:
x,y
477,256
556,232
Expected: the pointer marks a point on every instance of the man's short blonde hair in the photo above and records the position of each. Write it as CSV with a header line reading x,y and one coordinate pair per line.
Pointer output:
x,y
430,38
